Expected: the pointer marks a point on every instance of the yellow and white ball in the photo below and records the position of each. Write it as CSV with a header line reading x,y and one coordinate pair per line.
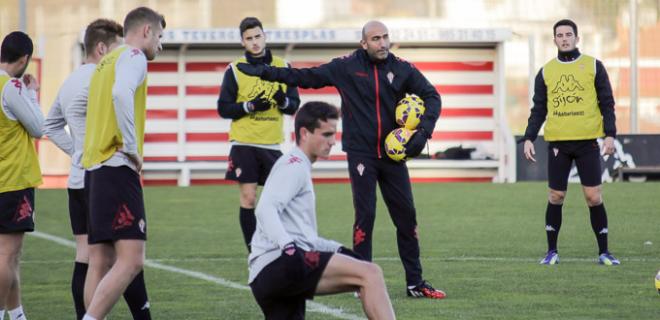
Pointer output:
x,y
395,143
409,112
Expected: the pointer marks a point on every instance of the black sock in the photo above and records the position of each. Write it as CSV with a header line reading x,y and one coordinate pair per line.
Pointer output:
x,y
136,298
248,225
552,224
599,225
78,288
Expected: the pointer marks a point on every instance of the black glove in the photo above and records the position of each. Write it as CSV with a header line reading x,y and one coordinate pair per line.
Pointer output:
x,y
251,69
280,97
346,251
416,143
260,103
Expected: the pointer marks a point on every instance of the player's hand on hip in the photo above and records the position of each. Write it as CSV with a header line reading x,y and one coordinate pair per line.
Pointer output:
x,y
290,249
251,69
528,150
31,82
608,146
137,161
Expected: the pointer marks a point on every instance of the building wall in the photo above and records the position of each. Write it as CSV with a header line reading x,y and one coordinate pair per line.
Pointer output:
x,y
55,26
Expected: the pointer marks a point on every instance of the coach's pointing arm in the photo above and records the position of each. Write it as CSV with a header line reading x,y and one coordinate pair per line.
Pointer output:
x,y
318,77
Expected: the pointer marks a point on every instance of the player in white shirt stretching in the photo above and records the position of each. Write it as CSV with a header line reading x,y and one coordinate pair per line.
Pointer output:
x,y
289,262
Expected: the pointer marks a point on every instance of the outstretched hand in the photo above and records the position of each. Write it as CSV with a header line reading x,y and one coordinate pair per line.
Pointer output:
x,y
251,69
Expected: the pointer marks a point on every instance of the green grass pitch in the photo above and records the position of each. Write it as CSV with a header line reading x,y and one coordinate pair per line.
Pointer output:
x,y
480,243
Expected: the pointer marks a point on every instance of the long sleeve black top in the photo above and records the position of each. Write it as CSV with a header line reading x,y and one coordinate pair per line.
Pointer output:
x,y
369,93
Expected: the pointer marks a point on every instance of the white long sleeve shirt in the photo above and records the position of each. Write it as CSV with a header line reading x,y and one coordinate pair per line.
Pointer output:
x,y
286,213
20,103
130,72
70,108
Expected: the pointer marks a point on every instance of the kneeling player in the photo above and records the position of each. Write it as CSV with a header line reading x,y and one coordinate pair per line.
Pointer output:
x,y
289,262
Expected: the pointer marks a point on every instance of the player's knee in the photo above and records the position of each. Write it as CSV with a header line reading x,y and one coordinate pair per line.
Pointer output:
x,y
10,260
248,199
556,197
373,272
132,267
594,199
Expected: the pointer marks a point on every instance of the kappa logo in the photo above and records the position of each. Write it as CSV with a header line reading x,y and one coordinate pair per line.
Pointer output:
x,y
123,218
358,236
293,159
555,151
360,168
135,52
238,172
567,90
142,225
262,88
312,259
24,210
230,164
18,84
567,83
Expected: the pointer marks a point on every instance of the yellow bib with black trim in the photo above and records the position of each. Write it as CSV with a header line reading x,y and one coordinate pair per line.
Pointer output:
x,y
103,136
573,112
19,165
264,127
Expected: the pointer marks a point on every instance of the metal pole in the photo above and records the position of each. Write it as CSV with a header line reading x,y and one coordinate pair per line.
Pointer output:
x,y
22,16
634,89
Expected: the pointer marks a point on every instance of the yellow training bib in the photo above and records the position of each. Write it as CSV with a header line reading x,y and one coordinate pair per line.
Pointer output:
x,y
573,112
103,137
19,165
263,127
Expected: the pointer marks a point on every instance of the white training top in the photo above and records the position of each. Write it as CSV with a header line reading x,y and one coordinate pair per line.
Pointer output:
x,y
20,103
70,108
286,213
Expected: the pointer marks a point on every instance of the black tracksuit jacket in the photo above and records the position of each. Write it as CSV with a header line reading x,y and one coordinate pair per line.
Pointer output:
x,y
369,93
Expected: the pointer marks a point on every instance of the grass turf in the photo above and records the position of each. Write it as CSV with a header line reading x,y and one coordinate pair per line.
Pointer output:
x,y
480,243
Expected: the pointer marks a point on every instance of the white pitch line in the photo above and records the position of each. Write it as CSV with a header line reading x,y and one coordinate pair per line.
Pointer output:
x,y
388,259
311,305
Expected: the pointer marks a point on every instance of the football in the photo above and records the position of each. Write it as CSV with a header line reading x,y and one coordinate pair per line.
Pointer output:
x,y
657,282
409,112
395,143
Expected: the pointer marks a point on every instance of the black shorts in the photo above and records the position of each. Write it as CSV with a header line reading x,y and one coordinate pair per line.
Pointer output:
x,y
586,154
78,209
282,287
249,164
116,205
17,211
